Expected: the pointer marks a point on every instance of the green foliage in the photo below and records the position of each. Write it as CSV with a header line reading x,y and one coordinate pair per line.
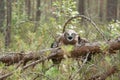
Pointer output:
x,y
108,59
67,48
65,8
23,38
115,29
53,72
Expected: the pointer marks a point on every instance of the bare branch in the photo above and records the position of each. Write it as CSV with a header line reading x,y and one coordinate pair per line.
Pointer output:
x,y
104,75
40,60
73,75
6,75
38,74
88,19
31,64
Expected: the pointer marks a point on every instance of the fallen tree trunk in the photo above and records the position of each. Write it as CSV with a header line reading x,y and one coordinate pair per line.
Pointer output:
x,y
114,45
82,50
12,58
42,59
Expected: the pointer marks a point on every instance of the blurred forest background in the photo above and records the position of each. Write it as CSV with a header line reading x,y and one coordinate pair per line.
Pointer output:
x,y
26,24
29,25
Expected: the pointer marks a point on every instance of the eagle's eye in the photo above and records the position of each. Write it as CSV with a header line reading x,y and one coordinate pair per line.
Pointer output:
x,y
73,34
66,34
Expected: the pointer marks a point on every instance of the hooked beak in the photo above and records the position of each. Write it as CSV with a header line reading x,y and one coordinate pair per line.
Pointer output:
x,y
70,38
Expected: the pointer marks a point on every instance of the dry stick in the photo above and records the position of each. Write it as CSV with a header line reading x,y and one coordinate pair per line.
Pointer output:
x,y
88,19
34,63
19,64
31,64
104,75
6,75
91,64
11,73
11,59
48,78
73,75
39,61
52,35
50,67
84,73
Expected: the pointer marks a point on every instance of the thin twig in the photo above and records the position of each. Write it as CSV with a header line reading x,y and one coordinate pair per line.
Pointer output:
x,y
34,63
6,75
50,67
38,74
73,75
41,60
53,36
9,74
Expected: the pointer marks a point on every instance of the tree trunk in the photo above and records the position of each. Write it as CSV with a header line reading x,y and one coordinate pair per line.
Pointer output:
x,y
81,7
38,14
101,10
28,8
111,10
2,14
118,11
8,26
33,10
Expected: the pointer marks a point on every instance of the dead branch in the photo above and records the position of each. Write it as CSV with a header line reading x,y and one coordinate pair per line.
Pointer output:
x,y
31,64
56,59
104,75
41,74
41,60
22,57
114,45
19,57
6,75
82,50
49,67
34,63
11,58
88,19
74,74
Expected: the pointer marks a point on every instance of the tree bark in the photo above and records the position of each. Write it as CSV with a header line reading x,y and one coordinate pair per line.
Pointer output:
x,y
81,7
101,10
38,14
118,11
2,14
8,26
111,10
28,8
